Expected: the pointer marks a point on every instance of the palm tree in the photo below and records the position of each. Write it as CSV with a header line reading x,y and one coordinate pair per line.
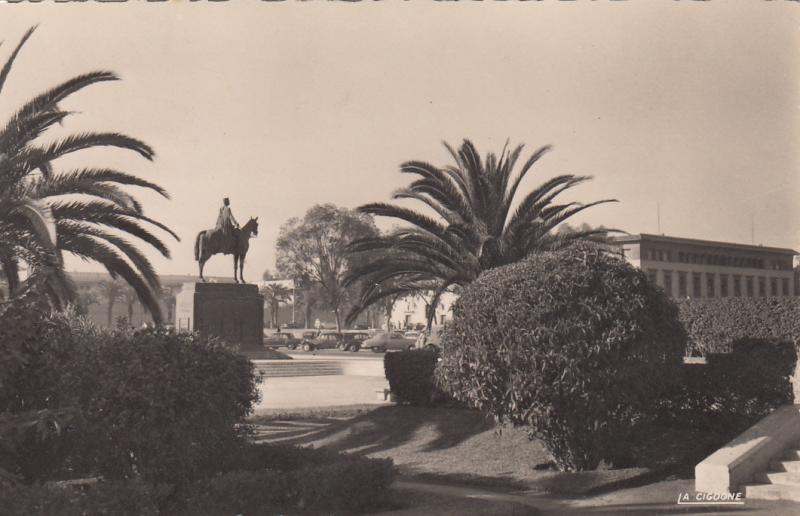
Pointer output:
x,y
275,294
37,222
112,291
129,297
86,297
169,299
474,228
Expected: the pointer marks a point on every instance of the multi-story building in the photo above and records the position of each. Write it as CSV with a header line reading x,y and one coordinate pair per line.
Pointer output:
x,y
686,267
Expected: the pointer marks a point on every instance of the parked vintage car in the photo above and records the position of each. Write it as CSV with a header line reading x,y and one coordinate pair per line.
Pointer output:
x,y
413,334
352,341
324,340
384,341
432,340
281,340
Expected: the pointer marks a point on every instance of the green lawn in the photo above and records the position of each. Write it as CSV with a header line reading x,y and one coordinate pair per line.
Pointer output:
x,y
441,444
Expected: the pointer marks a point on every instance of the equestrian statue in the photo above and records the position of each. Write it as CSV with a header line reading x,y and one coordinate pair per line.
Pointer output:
x,y
226,238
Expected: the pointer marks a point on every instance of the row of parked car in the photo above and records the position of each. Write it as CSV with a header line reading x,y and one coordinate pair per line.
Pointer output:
x,y
378,341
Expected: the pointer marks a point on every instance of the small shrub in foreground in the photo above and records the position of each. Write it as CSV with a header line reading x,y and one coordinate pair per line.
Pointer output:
x,y
576,345
411,377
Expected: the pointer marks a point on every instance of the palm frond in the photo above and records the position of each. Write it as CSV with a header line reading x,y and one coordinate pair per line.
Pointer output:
x,y
92,249
10,62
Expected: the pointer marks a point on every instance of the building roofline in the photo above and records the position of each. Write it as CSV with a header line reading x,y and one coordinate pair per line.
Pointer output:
x,y
692,241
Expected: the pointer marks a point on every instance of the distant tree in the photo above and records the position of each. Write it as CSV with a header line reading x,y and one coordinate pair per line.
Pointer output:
x,y
168,296
268,275
129,297
599,233
111,291
306,298
87,296
313,250
274,295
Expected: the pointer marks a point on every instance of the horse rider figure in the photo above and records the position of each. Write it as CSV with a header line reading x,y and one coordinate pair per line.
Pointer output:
x,y
226,224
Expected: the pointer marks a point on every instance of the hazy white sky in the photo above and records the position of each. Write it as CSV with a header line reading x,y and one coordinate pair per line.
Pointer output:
x,y
690,105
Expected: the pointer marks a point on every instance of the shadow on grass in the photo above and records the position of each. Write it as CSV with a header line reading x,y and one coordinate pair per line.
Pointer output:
x,y
381,429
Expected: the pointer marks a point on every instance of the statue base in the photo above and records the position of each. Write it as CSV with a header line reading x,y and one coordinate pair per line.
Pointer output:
x,y
231,311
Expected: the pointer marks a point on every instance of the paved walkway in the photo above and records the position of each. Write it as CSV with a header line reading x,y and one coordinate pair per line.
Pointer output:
x,y
319,391
654,499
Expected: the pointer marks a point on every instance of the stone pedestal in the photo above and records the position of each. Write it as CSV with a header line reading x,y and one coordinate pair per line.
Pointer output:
x,y
234,312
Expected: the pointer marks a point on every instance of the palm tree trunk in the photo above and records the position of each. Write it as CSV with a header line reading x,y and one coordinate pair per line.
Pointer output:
x,y
11,272
338,320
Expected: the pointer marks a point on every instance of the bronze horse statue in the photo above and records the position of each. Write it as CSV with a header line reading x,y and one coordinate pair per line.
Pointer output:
x,y
214,241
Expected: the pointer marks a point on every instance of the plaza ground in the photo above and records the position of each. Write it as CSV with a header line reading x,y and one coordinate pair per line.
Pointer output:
x,y
455,462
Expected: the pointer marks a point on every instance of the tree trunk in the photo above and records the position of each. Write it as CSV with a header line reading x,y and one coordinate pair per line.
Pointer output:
x,y
110,311
130,313
11,272
338,320
307,315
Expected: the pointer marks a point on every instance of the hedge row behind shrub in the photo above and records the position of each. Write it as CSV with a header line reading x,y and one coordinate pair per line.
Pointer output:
x,y
714,324
733,391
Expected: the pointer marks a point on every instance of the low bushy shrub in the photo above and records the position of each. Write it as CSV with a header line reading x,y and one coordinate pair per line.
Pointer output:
x,y
714,324
575,345
733,391
411,377
159,405
292,478
126,498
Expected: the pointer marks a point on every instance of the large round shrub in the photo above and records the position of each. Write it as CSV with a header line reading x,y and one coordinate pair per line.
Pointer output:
x,y
576,345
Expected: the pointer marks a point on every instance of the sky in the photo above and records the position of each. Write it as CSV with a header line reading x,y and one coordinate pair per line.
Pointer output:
x,y
684,109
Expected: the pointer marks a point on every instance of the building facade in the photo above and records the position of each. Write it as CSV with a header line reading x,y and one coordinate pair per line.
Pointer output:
x,y
410,312
686,267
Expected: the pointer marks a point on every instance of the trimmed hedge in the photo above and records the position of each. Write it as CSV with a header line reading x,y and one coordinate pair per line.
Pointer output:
x,y
411,377
575,345
714,324
733,391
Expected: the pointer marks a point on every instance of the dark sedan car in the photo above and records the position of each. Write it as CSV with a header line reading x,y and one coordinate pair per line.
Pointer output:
x,y
325,340
281,340
352,341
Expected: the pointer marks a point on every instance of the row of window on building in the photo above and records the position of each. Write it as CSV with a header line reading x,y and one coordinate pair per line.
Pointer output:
x,y
719,285
664,255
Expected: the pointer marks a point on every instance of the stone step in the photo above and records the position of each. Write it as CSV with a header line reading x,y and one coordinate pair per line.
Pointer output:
x,y
289,374
793,454
779,478
792,466
772,492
